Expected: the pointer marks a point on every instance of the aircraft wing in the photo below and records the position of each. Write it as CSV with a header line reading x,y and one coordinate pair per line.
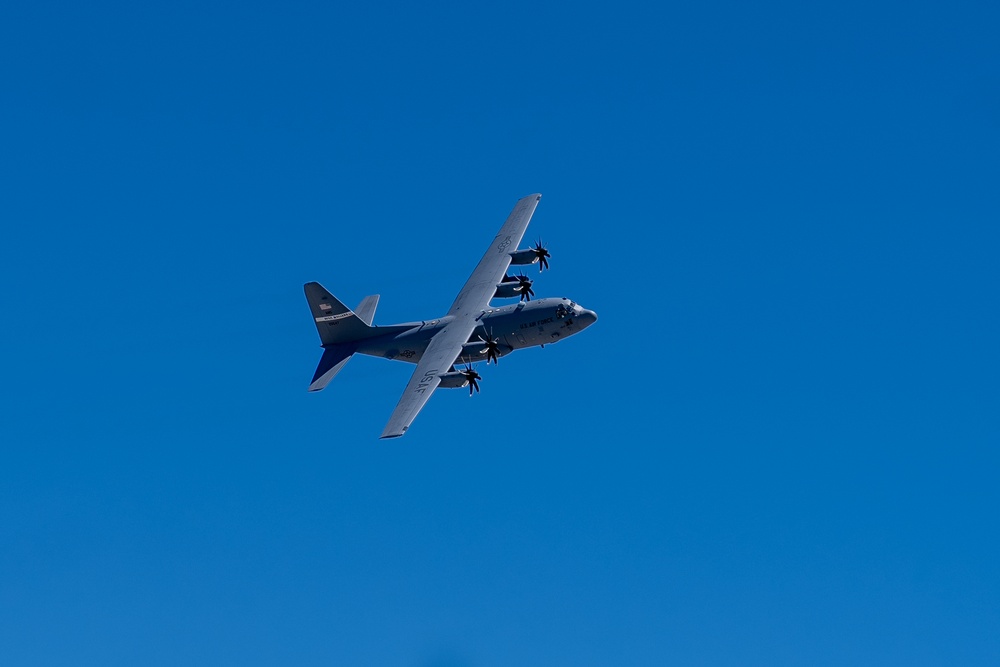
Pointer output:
x,y
447,344
479,288
441,353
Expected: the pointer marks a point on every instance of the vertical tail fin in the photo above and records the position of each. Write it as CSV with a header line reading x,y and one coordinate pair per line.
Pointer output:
x,y
335,322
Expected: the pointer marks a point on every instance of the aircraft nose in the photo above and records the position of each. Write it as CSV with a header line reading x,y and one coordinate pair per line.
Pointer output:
x,y
586,318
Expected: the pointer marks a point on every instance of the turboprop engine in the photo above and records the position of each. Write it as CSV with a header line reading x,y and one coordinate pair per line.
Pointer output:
x,y
458,379
490,346
514,286
531,255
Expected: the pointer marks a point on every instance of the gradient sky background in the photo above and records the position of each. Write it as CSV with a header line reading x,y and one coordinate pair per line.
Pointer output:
x,y
778,446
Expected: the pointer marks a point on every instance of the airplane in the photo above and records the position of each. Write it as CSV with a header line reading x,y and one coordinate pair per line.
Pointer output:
x,y
473,330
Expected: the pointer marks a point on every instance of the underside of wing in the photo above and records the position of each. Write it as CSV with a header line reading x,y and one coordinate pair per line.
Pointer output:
x,y
479,288
475,295
441,353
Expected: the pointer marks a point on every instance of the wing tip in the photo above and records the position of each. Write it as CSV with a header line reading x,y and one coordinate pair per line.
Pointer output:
x,y
389,435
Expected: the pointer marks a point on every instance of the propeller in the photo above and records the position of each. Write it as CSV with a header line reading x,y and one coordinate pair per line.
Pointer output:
x,y
492,349
473,377
542,254
525,287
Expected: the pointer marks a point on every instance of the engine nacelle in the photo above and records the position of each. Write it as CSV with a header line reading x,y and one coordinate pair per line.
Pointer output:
x,y
508,289
527,256
472,349
476,350
454,380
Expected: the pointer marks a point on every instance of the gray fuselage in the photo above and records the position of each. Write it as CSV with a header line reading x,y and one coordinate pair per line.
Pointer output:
x,y
516,326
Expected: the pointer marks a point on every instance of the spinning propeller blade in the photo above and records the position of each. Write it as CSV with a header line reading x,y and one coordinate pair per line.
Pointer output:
x,y
542,254
492,349
525,287
473,377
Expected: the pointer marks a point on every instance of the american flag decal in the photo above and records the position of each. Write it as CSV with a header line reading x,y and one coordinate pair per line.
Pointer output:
x,y
325,306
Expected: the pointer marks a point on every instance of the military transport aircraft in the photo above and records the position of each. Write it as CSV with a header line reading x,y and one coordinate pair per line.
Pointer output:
x,y
472,330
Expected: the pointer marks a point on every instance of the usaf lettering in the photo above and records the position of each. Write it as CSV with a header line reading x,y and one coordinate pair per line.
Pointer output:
x,y
425,381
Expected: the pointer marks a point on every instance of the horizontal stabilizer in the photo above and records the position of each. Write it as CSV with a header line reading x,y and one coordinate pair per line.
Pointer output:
x,y
366,309
334,359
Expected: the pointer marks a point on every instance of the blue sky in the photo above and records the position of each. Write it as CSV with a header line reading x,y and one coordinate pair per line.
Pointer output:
x,y
778,446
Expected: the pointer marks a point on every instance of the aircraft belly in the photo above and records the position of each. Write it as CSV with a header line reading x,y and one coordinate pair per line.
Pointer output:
x,y
515,331
406,347
520,331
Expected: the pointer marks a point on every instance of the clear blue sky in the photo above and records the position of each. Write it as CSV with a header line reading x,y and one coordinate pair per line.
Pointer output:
x,y
778,446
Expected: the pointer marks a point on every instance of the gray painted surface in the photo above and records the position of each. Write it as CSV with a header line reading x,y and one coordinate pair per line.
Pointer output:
x,y
435,346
